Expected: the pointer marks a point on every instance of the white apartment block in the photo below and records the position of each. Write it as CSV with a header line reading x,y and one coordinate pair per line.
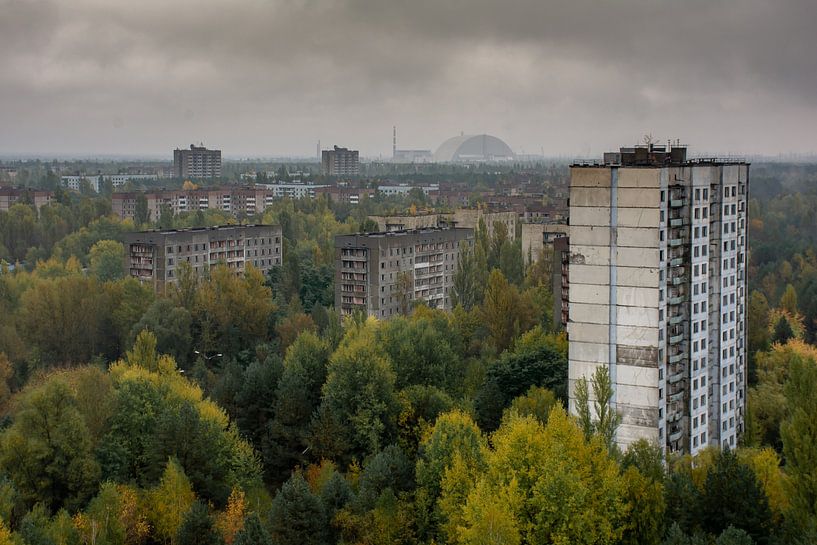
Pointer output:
x,y
658,292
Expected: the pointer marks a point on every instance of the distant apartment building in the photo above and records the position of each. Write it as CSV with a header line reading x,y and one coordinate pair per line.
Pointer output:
x,y
401,190
154,257
347,195
95,181
340,162
657,292
198,163
234,200
471,217
536,237
406,222
384,274
560,272
9,196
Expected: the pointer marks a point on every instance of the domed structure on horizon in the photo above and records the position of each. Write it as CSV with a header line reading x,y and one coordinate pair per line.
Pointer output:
x,y
473,148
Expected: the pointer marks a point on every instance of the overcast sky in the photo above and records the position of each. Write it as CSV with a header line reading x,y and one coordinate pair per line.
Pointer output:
x,y
270,77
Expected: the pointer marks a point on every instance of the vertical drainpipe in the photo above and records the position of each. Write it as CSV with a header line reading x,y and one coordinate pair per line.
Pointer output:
x,y
613,318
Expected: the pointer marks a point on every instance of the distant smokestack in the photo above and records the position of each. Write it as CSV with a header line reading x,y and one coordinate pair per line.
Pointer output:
x,y
319,150
394,142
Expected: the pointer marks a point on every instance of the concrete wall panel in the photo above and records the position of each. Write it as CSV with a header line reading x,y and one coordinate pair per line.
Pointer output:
x,y
590,215
594,333
638,197
637,297
590,177
646,277
638,257
636,217
634,316
590,274
639,177
589,196
589,293
637,376
593,314
590,235
644,237
598,352
589,255
637,396
627,434
637,336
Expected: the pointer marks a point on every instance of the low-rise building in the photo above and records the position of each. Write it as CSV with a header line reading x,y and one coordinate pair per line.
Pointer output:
x,y
537,237
9,196
470,218
384,274
154,257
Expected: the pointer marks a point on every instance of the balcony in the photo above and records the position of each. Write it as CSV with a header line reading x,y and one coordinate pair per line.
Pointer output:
x,y
676,262
676,242
676,358
675,398
677,203
676,339
675,436
677,319
676,222
676,300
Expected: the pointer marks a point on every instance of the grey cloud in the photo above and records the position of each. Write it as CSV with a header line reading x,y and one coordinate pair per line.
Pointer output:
x,y
272,76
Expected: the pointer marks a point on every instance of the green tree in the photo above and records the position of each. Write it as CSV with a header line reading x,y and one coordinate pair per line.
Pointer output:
x,y
47,451
107,258
252,533
295,400
197,528
788,301
466,290
782,330
603,419
171,325
799,434
297,516
732,496
420,353
359,390
512,375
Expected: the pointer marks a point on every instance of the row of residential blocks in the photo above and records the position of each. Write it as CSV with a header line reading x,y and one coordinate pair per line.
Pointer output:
x,y
233,200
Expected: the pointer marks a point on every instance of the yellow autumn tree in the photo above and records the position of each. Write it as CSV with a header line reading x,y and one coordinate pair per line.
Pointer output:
x,y
765,463
170,501
5,535
559,487
231,521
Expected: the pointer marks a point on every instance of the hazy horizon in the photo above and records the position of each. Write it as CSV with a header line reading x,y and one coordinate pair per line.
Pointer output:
x,y
269,79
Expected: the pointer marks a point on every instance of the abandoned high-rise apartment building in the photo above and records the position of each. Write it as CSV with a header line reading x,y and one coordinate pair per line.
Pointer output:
x,y
657,269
